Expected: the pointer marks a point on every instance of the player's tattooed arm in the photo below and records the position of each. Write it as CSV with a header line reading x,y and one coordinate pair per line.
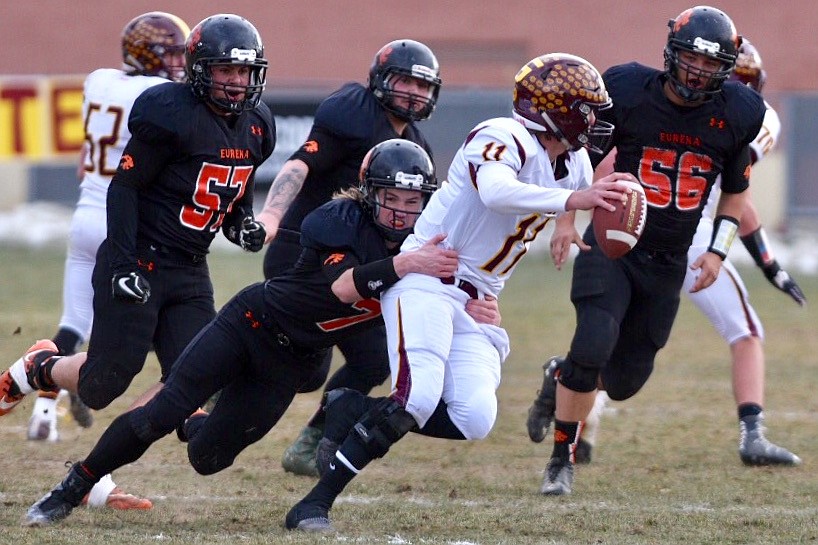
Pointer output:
x,y
281,194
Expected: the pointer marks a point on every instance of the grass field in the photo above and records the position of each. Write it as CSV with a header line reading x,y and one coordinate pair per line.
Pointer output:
x,y
666,469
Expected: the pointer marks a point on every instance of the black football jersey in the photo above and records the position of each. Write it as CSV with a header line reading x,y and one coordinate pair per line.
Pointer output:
x,y
209,170
677,152
335,237
347,124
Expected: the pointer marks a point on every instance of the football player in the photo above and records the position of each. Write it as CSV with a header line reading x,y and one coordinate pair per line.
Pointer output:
x,y
677,130
725,303
509,178
152,53
404,82
186,172
272,336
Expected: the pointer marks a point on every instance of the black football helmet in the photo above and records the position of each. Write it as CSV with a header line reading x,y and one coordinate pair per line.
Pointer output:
x,y
707,31
396,164
556,94
148,38
749,68
225,39
405,58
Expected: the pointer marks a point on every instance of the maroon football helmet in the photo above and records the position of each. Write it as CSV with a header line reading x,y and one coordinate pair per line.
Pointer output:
x,y
148,38
749,68
556,93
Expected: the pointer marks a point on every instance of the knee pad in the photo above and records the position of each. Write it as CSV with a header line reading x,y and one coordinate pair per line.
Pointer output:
x,y
595,337
207,461
441,425
624,381
576,376
100,391
383,426
144,428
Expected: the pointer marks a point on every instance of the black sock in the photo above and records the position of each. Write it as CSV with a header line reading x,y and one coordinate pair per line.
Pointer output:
x,y
119,445
749,409
67,341
44,380
565,435
338,476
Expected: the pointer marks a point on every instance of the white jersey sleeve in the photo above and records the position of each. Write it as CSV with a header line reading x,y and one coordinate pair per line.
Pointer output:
x,y
768,135
500,193
108,97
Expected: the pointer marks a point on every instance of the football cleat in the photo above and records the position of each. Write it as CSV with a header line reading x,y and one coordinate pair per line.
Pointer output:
x,y
17,381
121,501
541,412
299,458
559,478
80,411
756,450
308,518
43,428
324,454
58,504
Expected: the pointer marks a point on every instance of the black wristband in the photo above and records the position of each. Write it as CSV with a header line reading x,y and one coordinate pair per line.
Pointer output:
x,y
373,278
758,247
724,231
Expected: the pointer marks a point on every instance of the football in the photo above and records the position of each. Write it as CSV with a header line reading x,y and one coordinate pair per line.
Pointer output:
x,y
618,232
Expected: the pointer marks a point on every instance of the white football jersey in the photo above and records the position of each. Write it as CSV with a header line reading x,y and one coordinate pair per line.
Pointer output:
x,y
763,143
107,100
500,194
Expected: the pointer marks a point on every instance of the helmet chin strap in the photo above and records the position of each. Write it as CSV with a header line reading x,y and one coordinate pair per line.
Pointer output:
x,y
558,133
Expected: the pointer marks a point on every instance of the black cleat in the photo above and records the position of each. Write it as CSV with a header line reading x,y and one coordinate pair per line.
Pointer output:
x,y
58,504
308,518
541,412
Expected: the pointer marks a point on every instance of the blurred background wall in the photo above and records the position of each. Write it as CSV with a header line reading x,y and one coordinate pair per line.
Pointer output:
x,y
315,46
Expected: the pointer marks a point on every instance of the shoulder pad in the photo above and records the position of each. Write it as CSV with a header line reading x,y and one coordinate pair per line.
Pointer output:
x,y
349,111
513,142
624,81
745,109
335,224
159,113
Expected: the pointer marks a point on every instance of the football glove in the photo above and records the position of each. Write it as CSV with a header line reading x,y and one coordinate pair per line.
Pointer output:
x,y
781,279
252,235
759,248
131,287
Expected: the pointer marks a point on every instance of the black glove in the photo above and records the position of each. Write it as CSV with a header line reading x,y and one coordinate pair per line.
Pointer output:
x,y
131,287
759,248
252,235
781,279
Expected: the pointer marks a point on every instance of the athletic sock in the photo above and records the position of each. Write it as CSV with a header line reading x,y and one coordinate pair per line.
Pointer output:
x,y
565,438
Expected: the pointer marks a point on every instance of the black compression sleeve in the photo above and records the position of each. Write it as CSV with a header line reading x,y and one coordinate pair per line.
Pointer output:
x,y
374,278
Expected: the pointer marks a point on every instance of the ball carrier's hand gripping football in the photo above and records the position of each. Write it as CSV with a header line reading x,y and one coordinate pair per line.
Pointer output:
x,y
618,232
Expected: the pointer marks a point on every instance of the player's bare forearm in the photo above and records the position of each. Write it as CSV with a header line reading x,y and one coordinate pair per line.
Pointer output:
x,y
281,194
564,235
431,258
